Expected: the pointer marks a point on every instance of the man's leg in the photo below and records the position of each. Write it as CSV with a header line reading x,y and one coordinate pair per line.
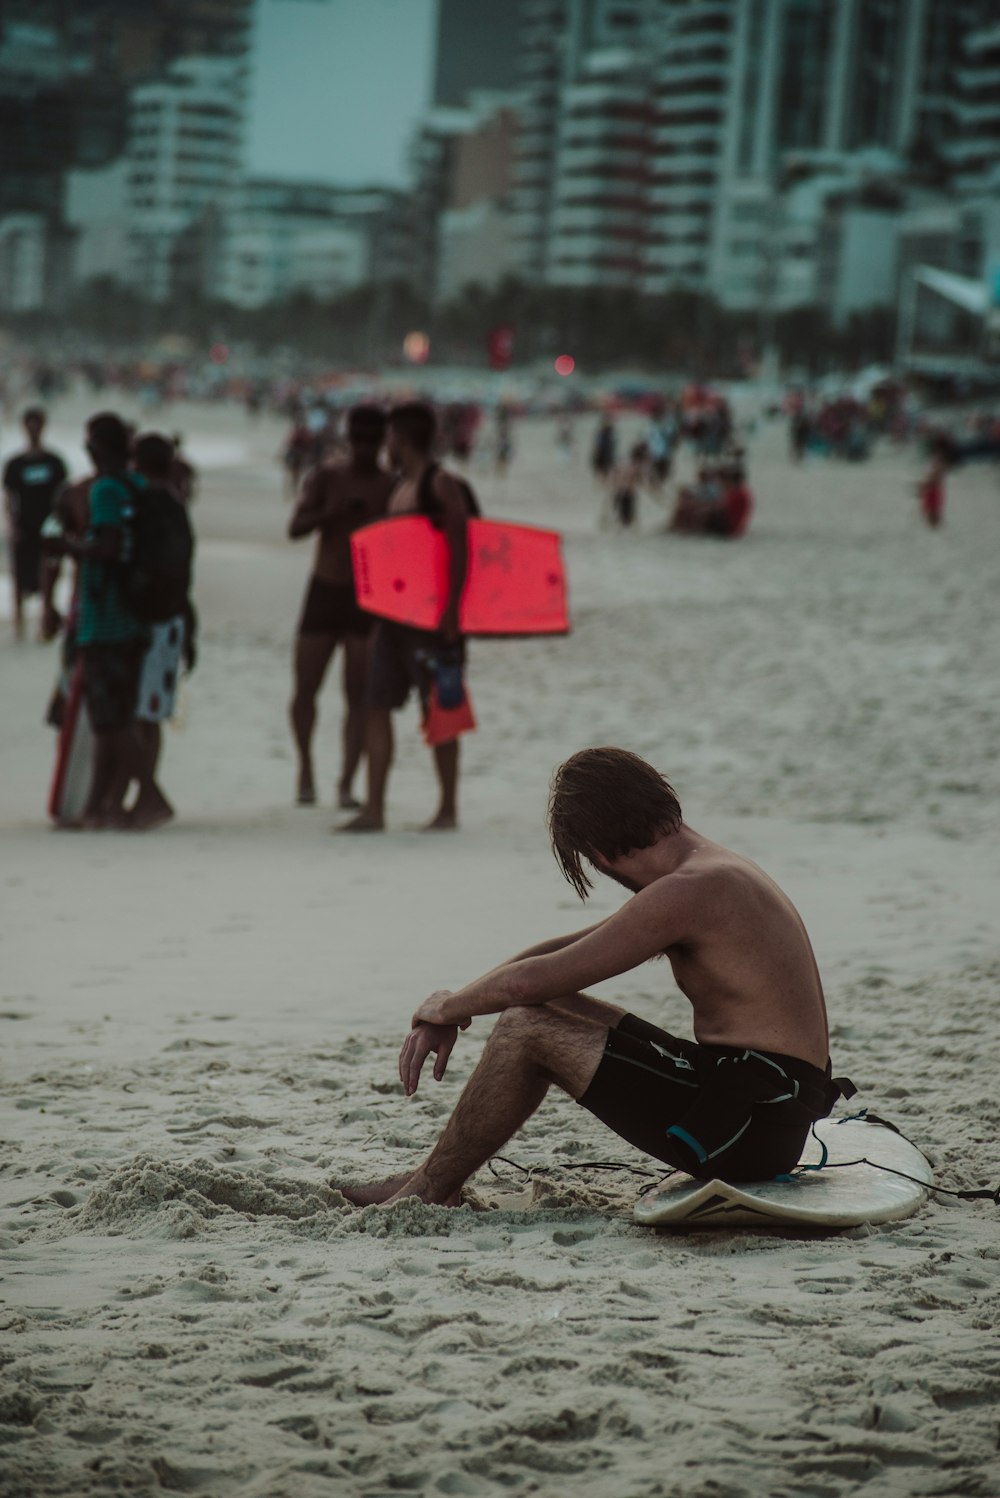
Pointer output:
x,y
18,607
355,718
116,763
151,808
312,656
528,1051
379,745
585,1006
446,766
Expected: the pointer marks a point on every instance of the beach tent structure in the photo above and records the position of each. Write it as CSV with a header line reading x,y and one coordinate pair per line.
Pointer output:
x,y
968,292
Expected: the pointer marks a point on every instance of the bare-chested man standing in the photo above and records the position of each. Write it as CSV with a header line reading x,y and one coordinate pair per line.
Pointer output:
x,y
401,656
737,1102
337,499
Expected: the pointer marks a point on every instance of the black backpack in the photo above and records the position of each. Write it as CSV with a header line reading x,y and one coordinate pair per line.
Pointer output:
x,y
430,506
157,576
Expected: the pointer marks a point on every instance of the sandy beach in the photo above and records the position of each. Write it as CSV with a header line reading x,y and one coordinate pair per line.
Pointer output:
x,y
201,1026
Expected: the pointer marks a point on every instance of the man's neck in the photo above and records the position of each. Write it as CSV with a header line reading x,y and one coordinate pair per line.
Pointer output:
x,y
663,857
413,467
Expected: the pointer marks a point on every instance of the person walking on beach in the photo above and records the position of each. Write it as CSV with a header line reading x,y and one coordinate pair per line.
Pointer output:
x,y
31,481
403,658
931,489
337,499
605,450
737,1102
626,480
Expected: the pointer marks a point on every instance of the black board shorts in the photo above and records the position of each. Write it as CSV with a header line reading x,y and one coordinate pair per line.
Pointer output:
x,y
332,609
403,659
714,1111
111,674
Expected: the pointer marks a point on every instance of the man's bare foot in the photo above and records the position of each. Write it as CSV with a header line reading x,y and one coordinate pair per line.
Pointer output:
x,y
443,822
107,821
306,793
145,820
370,1193
346,800
151,810
365,821
412,1188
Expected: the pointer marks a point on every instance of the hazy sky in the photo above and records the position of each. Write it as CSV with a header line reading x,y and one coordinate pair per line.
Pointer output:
x,y
337,87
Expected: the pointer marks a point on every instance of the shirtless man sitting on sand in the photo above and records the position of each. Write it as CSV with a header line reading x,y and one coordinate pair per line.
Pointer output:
x,y
737,1102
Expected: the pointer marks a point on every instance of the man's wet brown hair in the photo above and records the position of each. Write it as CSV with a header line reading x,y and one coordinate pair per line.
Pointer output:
x,y
153,455
607,802
366,423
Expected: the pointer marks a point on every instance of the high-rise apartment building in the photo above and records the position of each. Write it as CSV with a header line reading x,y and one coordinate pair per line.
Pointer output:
x,y
67,68
475,49
583,106
183,165
696,143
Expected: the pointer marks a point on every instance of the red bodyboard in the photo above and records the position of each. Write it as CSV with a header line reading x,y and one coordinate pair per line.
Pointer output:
x,y
516,582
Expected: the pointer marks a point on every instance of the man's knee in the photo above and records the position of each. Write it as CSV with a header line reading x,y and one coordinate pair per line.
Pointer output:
x,y
530,1028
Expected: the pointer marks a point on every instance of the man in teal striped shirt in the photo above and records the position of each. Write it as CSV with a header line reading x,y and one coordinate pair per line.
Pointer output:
x,y
111,638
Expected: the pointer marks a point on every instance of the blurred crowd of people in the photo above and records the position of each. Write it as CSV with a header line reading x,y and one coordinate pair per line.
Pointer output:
x,y
717,503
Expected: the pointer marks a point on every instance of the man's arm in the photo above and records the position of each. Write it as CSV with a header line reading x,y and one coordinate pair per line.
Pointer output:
x,y
102,544
653,920
313,508
9,498
104,540
554,944
425,1037
456,522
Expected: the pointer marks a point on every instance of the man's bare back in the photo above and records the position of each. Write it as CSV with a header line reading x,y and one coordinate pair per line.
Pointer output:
x,y
747,965
338,499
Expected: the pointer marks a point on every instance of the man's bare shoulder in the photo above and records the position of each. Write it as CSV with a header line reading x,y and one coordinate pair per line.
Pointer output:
x,y
718,881
709,873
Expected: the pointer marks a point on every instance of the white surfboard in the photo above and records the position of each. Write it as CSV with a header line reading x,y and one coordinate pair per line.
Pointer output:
x,y
850,1194
74,756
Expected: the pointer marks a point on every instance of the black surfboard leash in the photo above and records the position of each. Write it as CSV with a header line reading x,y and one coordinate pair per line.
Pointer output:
x,y
865,1116
655,1179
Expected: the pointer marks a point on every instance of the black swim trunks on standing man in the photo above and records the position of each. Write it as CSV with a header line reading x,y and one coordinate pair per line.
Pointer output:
x,y
111,674
332,609
714,1111
403,659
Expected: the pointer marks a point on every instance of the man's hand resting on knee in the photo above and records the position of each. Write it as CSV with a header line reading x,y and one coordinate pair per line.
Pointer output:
x,y
426,1037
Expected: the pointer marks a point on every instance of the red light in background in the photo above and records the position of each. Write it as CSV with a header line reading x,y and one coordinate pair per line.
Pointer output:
x,y
565,364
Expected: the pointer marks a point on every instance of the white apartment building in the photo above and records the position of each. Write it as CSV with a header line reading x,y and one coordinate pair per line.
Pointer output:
x,y
476,226
582,103
959,234
282,237
697,143
24,252
184,156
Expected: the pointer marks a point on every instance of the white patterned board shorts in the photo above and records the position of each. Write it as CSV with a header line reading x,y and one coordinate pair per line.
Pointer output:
x,y
160,672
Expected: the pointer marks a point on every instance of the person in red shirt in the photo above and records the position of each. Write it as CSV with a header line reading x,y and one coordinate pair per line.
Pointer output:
x,y
931,489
